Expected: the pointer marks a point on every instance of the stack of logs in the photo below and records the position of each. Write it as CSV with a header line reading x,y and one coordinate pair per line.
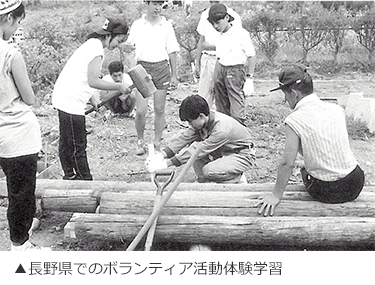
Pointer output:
x,y
209,213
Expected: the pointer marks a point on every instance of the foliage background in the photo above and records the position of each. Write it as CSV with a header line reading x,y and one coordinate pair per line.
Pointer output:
x,y
332,37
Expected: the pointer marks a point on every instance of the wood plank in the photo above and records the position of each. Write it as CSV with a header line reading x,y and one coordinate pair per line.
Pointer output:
x,y
217,203
291,231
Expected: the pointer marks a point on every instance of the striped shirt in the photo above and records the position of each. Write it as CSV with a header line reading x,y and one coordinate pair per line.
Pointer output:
x,y
324,140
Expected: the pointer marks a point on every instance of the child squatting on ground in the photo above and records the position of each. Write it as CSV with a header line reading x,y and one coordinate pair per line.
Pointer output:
x,y
226,147
20,138
317,130
78,83
125,103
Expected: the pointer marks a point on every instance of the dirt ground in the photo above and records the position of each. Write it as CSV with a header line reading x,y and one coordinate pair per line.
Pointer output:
x,y
111,150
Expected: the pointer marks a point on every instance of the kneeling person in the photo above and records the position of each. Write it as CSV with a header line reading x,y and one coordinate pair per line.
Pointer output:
x,y
125,103
227,149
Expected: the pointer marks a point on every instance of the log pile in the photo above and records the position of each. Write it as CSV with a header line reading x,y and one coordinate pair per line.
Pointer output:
x,y
209,213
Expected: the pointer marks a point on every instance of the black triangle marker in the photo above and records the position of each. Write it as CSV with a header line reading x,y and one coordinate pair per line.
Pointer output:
x,y
20,269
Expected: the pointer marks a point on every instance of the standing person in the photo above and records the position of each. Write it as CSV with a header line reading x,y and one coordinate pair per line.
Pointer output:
x,y
317,130
20,138
75,86
236,62
205,60
226,147
155,44
125,103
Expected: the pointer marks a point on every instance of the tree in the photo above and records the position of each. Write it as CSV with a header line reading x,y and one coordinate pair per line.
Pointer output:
x,y
338,24
264,26
308,21
364,26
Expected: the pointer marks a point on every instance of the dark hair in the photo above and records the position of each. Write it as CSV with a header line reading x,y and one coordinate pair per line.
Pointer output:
x,y
192,106
115,66
19,12
306,86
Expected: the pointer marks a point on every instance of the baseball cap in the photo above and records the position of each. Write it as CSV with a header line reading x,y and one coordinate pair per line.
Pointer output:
x,y
218,9
7,6
113,26
294,73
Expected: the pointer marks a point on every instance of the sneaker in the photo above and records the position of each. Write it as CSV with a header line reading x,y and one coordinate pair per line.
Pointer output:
x,y
243,179
28,246
70,177
141,147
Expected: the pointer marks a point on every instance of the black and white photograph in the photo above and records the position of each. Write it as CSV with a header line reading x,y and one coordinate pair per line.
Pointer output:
x,y
225,127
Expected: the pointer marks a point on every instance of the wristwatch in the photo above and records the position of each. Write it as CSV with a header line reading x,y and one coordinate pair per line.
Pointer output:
x,y
249,75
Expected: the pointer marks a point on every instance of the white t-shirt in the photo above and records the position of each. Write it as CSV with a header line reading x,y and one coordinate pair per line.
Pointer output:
x,y
234,46
206,29
153,43
72,91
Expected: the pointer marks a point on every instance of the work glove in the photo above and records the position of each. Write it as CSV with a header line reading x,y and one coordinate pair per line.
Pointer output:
x,y
248,87
156,162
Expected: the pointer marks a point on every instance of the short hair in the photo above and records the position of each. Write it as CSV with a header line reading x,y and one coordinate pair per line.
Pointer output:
x,y
192,106
306,86
115,66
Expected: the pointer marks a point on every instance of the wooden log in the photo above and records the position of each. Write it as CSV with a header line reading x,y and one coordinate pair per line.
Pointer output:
x,y
82,201
99,187
220,203
260,231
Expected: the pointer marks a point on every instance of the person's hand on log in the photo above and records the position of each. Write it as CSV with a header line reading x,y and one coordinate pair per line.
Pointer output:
x,y
267,204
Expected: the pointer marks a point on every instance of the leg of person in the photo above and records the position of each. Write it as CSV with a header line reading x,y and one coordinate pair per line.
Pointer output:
x,y
235,81
198,168
66,149
229,168
159,110
161,75
81,165
206,78
220,90
140,123
21,180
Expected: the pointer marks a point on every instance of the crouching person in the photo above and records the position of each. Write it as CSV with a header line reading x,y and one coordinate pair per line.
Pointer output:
x,y
318,131
226,147
125,103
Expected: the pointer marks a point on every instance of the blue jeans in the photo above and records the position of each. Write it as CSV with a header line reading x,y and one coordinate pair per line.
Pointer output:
x,y
20,175
72,146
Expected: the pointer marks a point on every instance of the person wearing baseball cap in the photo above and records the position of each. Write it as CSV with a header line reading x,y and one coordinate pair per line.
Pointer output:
x,y
235,64
77,84
317,130
205,56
